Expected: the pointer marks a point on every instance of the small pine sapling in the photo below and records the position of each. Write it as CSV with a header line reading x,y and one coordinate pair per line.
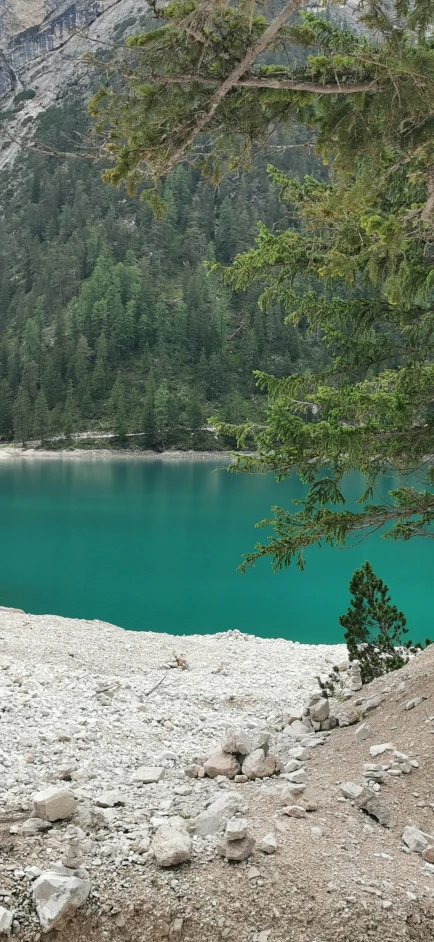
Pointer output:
x,y
373,627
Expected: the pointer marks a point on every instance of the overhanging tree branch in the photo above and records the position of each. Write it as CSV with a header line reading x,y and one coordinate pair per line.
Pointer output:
x,y
240,69
261,82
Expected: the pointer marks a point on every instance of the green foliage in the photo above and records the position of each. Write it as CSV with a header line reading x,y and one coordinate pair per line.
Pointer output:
x,y
373,627
25,95
379,83
96,294
351,259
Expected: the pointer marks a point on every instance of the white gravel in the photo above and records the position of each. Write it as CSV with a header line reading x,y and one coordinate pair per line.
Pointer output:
x,y
54,715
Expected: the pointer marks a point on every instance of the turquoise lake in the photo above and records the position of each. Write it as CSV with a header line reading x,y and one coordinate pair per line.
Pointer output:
x,y
154,545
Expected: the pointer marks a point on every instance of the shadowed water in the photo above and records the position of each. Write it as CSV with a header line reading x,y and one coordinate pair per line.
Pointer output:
x,y
154,545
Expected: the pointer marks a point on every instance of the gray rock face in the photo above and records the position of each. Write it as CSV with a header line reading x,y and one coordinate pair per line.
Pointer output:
x,y
57,895
54,803
417,840
237,742
222,763
213,818
171,847
259,765
42,45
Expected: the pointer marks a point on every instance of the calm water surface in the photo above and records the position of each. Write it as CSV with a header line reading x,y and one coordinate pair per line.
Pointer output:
x,y
155,545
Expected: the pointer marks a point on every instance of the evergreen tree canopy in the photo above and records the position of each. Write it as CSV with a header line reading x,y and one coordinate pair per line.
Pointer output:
x,y
373,627
355,258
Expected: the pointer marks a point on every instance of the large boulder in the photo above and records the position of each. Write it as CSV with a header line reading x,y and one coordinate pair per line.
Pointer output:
x,y
259,765
171,847
237,742
216,815
54,803
57,895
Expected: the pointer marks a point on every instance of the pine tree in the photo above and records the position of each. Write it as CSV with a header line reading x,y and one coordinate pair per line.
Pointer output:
x,y
352,261
68,415
162,413
119,407
22,416
41,417
373,627
6,417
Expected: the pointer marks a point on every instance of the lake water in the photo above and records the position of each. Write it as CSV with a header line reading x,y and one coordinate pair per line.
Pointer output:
x,y
154,545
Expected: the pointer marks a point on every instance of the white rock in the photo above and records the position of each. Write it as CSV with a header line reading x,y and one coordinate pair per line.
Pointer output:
x,y
411,704
109,799
259,765
292,765
320,710
237,742
350,790
57,895
291,714
291,792
6,920
362,732
54,803
295,811
171,847
148,774
213,818
379,750
236,850
236,828
221,763
268,844
299,752
299,777
416,839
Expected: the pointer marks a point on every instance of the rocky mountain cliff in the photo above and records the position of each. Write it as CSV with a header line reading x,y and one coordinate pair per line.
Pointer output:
x,y
41,44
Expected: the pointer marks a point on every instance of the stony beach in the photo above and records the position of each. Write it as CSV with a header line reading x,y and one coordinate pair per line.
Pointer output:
x,y
111,776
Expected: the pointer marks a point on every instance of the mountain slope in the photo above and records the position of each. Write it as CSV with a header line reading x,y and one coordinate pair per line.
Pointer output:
x,y
42,44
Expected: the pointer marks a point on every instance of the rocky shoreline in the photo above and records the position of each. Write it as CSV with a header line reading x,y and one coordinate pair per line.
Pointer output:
x,y
200,788
19,453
